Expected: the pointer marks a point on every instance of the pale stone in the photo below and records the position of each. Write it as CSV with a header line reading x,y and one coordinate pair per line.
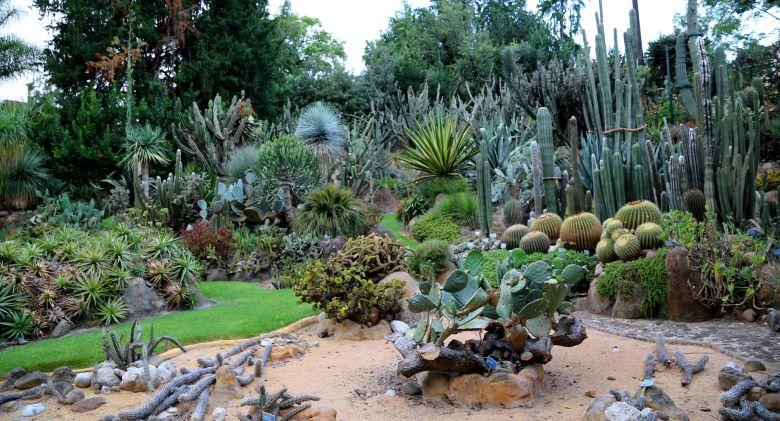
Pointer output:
x,y
621,411
354,331
33,410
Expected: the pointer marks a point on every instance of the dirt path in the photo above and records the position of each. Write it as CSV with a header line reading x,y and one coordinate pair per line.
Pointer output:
x,y
353,377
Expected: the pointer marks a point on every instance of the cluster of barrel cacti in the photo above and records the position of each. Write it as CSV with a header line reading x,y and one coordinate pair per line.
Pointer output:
x,y
636,227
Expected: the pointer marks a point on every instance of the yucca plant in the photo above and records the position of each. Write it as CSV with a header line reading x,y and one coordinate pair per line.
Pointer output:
x,y
331,211
437,148
320,128
144,145
118,279
112,311
23,175
177,295
158,272
119,253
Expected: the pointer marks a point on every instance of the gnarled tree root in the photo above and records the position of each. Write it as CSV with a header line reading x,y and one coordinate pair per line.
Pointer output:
x,y
449,359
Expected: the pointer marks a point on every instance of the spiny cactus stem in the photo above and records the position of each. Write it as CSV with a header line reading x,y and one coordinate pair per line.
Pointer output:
x,y
145,410
198,387
732,396
245,380
661,354
685,366
200,407
649,366
8,397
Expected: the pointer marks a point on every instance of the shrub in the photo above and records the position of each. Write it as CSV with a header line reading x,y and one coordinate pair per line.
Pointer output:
x,y
434,225
212,245
346,294
412,207
23,174
243,159
60,210
331,211
460,207
320,128
492,260
433,187
375,255
286,165
435,253
769,181
618,277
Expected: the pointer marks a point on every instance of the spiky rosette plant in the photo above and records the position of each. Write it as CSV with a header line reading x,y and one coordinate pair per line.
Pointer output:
x,y
535,242
617,233
320,128
513,212
581,231
608,226
627,247
331,211
649,235
512,235
636,213
605,250
548,223
694,203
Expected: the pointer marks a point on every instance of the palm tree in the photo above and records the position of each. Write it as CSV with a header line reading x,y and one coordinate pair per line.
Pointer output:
x,y
320,127
16,56
144,145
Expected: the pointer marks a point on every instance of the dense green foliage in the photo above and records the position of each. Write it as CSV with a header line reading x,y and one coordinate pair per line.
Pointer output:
x,y
460,207
650,273
435,253
435,225
331,211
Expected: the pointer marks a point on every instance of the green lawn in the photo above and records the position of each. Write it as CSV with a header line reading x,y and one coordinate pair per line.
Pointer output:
x,y
390,222
242,310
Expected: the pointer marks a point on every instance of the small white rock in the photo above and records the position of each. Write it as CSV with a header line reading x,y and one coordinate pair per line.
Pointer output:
x,y
83,380
390,393
399,326
173,410
735,366
105,390
167,372
218,414
621,411
33,410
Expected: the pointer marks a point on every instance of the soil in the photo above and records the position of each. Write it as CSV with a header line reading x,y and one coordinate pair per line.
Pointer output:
x,y
354,377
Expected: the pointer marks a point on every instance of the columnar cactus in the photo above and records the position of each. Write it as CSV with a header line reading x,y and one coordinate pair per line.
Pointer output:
x,y
544,136
512,235
581,231
535,242
577,202
536,172
485,208
636,213
548,223
627,247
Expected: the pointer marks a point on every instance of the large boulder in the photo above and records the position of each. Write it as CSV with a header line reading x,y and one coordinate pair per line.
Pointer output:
x,y
62,328
104,375
134,379
628,304
30,380
385,199
599,304
332,246
499,390
683,306
141,299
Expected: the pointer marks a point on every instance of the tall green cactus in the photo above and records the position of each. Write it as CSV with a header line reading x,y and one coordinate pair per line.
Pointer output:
x,y
536,172
544,135
484,199
577,200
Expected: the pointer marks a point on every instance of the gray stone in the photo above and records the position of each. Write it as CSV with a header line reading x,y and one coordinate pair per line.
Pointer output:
x,y
629,305
83,380
390,393
755,393
599,304
660,401
62,328
141,299
105,390
621,411
103,375
219,414
62,388
73,397
10,406
753,365
734,366
87,405
63,374
110,417
217,274
411,388
748,315
399,326
728,377
596,409
167,372
682,305
771,401
33,410
135,380
30,380
330,247
119,372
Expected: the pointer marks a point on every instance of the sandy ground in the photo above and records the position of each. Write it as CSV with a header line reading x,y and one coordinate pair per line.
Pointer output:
x,y
353,377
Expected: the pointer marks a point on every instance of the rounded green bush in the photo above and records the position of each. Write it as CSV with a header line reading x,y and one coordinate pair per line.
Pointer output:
x,y
435,225
435,253
460,207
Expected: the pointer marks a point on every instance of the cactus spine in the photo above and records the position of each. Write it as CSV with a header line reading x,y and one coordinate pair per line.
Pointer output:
x,y
636,213
605,250
544,135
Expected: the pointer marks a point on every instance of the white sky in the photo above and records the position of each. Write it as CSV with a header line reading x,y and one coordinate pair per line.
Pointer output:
x,y
357,21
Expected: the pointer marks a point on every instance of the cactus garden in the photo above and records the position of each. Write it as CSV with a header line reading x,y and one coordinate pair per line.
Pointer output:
x,y
502,210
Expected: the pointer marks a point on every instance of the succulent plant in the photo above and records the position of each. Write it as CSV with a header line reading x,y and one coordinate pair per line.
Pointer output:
x,y
649,235
618,232
636,213
581,231
375,255
548,223
535,242
512,235
694,203
605,250
609,225
513,212
627,247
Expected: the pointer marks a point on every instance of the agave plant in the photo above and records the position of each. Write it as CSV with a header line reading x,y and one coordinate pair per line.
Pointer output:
x,y
243,159
331,211
158,272
119,253
438,148
91,290
144,145
18,326
111,312
161,246
24,174
320,128
10,302
186,268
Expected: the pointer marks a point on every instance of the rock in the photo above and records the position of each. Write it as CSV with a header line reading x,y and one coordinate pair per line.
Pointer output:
x,y
611,378
590,394
106,390
87,405
596,409
63,374
734,366
629,305
411,388
141,299
399,326
500,389
103,375
660,401
16,374
599,304
33,410
755,393
62,328
598,270
119,372
330,247
753,365
62,388
748,315
225,388
316,414
110,417
74,396
10,406
30,380
385,199
283,352
83,380
217,274
382,232
410,284
434,384
167,372
581,304
353,331
728,377
682,305
390,393
621,411
134,379
771,401
219,414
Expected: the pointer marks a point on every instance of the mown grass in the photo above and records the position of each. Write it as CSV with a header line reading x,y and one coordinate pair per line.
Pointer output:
x,y
391,223
242,310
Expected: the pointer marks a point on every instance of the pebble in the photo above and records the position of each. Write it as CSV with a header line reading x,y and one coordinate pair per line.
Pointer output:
x,y
218,414
83,380
399,326
754,365
590,394
611,378
621,411
411,388
33,410
105,390
390,393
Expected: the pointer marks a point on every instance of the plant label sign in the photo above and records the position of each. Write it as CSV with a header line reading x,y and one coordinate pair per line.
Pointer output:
x,y
493,364
268,417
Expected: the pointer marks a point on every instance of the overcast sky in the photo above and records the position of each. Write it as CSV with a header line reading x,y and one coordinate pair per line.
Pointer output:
x,y
357,21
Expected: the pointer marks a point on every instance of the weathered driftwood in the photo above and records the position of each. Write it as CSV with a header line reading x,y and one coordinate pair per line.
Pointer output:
x,y
661,354
449,359
569,331
540,348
